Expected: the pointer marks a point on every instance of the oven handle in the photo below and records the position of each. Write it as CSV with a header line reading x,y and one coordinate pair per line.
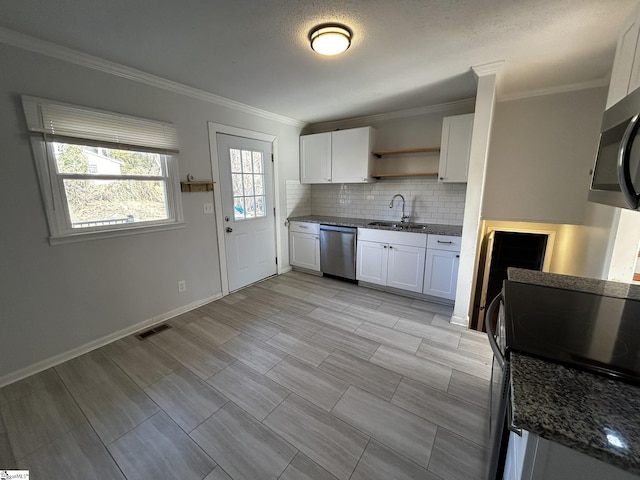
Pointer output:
x,y
499,356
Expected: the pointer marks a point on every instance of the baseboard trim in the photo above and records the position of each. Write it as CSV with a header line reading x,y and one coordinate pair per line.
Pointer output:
x,y
100,342
462,321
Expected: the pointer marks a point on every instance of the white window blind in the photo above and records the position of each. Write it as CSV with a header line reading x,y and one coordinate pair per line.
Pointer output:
x,y
71,123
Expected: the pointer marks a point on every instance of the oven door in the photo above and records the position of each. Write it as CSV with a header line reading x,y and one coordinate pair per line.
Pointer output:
x,y
499,391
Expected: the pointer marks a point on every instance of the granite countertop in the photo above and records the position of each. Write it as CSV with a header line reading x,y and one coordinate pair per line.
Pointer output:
x,y
431,229
580,284
589,413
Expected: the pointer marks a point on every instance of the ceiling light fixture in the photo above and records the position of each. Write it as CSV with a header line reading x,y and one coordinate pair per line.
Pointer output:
x,y
330,38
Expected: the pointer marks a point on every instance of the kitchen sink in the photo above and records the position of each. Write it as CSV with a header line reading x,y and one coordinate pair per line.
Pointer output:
x,y
417,226
386,224
400,226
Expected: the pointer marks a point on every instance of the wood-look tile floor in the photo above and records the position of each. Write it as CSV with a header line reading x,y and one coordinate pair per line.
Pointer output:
x,y
297,377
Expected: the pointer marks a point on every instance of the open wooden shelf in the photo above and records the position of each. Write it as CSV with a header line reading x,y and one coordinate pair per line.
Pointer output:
x,y
197,186
425,174
380,153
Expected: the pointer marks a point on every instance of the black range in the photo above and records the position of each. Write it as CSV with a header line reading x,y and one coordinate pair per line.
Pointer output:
x,y
582,330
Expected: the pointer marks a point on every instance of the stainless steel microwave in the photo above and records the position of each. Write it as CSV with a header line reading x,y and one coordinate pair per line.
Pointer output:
x,y
616,174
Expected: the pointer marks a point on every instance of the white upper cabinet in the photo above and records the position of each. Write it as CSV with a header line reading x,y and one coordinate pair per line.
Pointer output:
x,y
625,76
343,156
455,148
315,158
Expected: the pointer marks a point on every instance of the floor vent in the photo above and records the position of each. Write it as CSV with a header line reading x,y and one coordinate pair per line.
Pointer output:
x,y
152,331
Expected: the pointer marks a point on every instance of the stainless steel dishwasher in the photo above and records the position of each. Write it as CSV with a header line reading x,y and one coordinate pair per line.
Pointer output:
x,y
338,251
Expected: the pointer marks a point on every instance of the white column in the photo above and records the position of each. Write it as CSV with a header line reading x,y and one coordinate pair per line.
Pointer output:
x,y
487,77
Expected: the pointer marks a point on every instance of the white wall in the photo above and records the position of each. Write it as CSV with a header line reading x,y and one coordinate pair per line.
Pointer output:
x,y
56,299
542,151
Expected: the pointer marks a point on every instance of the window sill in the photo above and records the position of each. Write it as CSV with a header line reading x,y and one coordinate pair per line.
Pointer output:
x,y
122,232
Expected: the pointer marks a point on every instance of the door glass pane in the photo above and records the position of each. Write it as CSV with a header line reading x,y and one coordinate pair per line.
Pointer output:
x,y
247,165
248,184
260,201
236,180
257,184
257,162
236,166
238,208
250,207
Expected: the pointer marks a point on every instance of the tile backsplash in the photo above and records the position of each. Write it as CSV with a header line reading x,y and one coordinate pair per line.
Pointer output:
x,y
427,201
298,199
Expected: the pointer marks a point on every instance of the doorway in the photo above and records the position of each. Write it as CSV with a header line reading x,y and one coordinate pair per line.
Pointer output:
x,y
501,250
245,199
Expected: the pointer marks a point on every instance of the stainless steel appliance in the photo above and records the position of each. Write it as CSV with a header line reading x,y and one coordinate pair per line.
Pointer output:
x,y
338,251
616,174
588,331
500,391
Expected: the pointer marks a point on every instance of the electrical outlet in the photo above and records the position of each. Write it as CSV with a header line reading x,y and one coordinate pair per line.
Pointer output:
x,y
182,286
208,208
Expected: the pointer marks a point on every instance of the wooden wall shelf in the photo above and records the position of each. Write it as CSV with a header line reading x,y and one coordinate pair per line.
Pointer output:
x,y
384,175
380,153
197,186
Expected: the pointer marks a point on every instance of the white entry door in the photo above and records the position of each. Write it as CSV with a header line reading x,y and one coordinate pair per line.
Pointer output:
x,y
246,186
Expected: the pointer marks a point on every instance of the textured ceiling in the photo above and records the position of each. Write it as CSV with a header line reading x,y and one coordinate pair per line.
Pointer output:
x,y
405,53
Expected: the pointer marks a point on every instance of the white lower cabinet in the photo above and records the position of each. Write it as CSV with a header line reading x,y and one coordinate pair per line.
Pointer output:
x,y
371,262
392,259
441,269
441,273
405,269
530,457
304,245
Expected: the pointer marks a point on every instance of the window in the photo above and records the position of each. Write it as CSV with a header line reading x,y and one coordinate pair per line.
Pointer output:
x,y
247,178
101,173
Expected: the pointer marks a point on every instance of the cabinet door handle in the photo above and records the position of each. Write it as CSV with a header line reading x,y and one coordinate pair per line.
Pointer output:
x,y
303,226
457,256
444,243
390,247
384,246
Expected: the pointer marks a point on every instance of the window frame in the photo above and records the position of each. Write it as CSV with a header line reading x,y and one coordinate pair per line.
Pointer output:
x,y
54,196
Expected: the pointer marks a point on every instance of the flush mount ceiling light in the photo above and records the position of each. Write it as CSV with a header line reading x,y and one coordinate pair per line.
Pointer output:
x,y
330,38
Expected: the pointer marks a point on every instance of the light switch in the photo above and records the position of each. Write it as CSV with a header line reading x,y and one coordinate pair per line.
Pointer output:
x,y
208,208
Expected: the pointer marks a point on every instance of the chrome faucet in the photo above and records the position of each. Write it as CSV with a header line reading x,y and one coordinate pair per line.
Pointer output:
x,y
404,217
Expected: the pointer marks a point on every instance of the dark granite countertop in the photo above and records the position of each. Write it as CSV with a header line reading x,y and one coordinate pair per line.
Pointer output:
x,y
589,413
432,229
580,284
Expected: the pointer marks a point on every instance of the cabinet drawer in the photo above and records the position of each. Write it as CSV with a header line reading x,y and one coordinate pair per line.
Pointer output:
x,y
444,242
409,239
304,227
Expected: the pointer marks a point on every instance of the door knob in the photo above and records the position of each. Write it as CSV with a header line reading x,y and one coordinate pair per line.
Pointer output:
x,y
229,229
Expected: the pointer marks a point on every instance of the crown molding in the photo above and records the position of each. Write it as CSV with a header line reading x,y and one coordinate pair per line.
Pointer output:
x,y
441,107
43,47
488,68
572,87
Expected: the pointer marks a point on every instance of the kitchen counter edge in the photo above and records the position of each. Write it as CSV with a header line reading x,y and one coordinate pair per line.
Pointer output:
x,y
432,229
